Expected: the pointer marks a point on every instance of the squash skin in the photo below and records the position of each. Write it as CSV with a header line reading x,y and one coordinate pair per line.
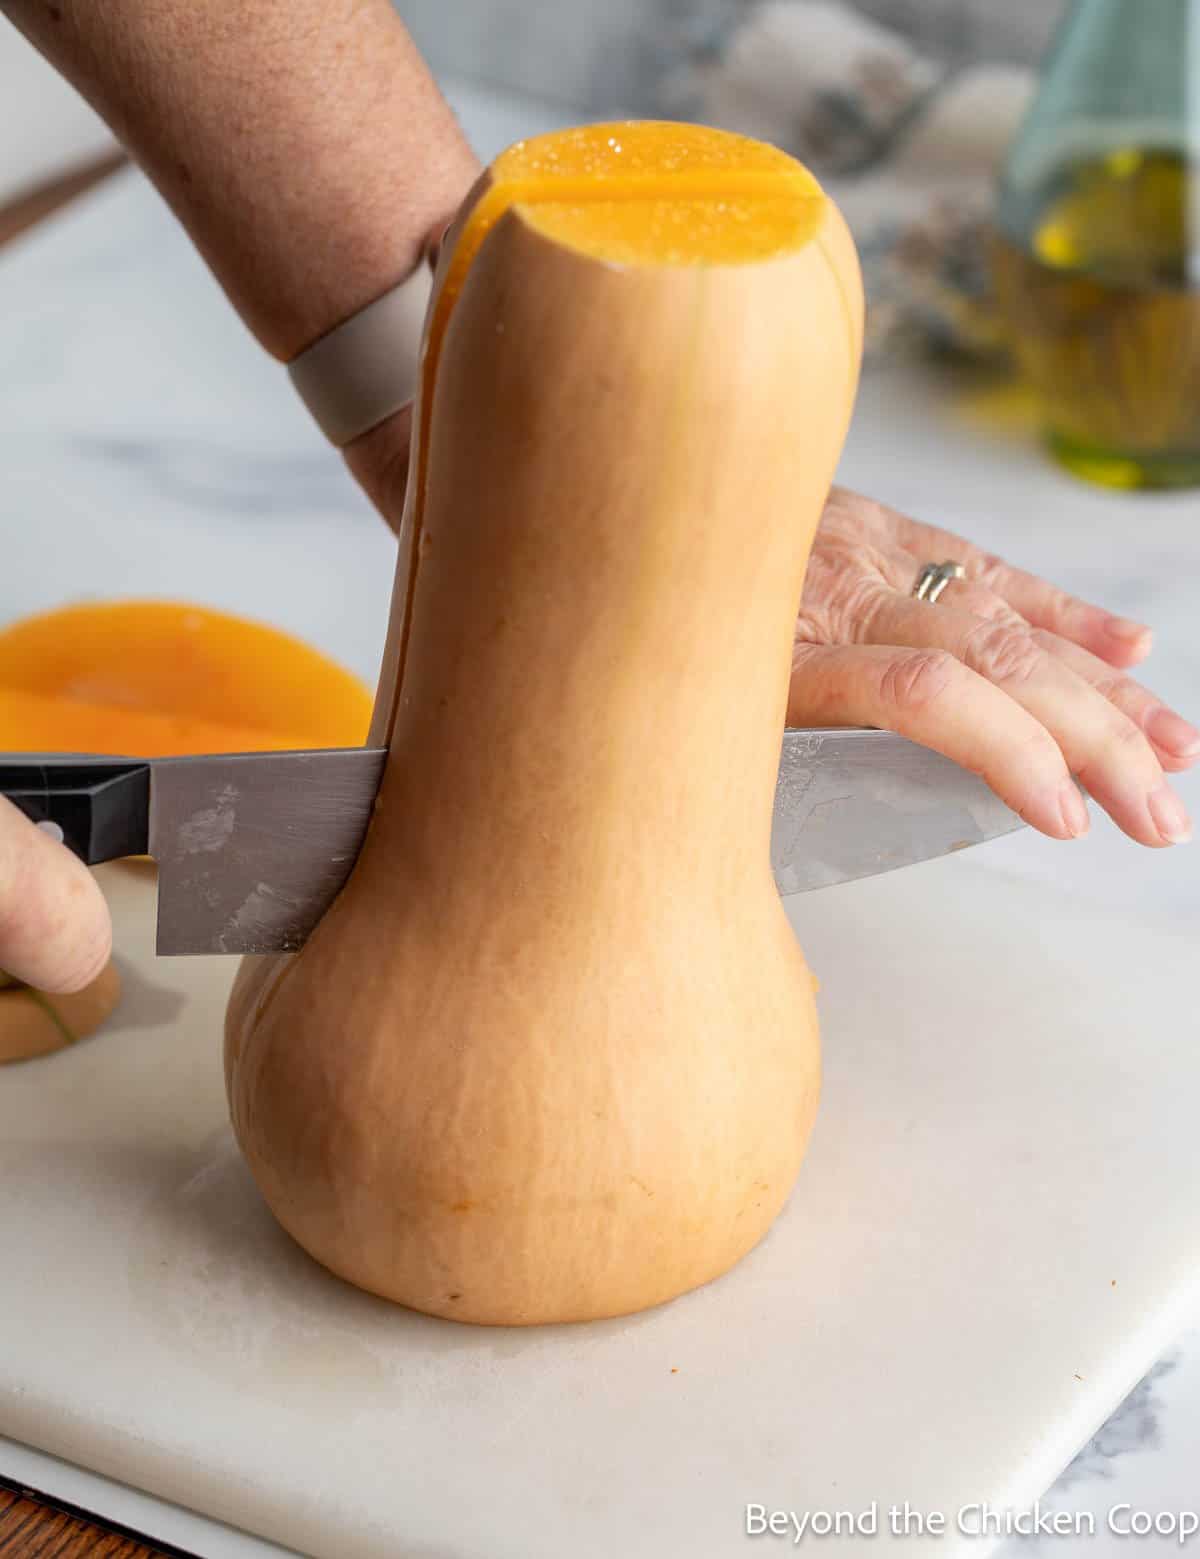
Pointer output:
x,y
34,1023
553,1053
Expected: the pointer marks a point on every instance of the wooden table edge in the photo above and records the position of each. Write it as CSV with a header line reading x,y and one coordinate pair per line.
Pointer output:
x,y
34,1525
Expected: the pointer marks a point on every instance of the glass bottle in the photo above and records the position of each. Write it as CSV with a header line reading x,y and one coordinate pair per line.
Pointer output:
x,y
1097,254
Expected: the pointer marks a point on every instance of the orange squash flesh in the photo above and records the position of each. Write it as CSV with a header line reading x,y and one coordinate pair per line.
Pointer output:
x,y
674,195
32,722
159,678
552,1055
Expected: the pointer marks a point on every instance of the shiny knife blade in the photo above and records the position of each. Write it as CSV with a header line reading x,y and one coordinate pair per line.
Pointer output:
x,y
253,848
853,803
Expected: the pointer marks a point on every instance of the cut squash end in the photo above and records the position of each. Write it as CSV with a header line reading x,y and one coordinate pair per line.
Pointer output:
x,y
627,153
649,192
734,230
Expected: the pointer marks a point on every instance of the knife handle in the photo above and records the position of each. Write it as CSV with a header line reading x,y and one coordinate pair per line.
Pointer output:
x,y
102,805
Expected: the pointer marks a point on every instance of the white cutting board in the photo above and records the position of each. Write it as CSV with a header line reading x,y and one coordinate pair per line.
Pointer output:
x,y
1007,1132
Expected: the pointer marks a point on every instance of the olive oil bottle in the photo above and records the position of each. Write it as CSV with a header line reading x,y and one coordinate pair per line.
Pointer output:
x,y
1097,253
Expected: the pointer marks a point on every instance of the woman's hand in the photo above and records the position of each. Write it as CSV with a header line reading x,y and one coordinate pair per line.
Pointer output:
x,y
1006,675
54,927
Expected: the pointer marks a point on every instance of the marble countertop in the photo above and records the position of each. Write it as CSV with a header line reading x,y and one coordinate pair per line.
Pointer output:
x,y
147,447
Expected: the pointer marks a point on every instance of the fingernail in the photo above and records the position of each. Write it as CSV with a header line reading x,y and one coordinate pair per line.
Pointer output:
x,y
1074,811
1173,732
1170,815
1125,629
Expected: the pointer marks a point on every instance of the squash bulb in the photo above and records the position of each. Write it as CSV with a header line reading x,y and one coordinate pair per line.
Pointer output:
x,y
552,1055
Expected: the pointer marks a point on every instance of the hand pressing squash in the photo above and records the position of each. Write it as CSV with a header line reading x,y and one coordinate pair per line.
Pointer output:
x,y
552,1055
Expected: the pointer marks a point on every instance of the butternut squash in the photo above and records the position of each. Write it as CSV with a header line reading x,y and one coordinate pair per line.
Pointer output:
x,y
35,1023
552,1055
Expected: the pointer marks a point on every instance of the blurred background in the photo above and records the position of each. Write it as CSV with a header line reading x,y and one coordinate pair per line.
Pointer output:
x,y
906,105
618,56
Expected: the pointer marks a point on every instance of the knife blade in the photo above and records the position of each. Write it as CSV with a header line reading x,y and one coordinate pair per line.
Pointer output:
x,y
252,848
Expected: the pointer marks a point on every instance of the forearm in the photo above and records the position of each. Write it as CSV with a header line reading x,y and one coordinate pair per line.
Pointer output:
x,y
302,143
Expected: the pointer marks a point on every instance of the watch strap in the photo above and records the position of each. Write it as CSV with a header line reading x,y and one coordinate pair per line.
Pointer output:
x,y
360,372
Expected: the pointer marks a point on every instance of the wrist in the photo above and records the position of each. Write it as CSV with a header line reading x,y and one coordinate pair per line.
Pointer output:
x,y
379,462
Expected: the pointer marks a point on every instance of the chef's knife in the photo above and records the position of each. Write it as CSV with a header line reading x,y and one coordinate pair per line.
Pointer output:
x,y
253,848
